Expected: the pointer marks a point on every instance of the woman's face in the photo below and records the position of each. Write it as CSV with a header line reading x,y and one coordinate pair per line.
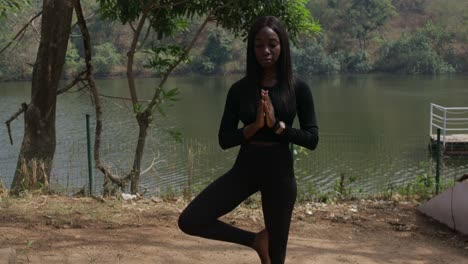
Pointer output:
x,y
267,47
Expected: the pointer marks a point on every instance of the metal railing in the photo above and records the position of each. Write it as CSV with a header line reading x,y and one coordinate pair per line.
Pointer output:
x,y
448,119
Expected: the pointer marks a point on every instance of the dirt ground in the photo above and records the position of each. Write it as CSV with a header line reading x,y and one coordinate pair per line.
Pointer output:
x,y
57,229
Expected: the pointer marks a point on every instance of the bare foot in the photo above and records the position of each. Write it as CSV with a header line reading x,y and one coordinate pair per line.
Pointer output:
x,y
261,246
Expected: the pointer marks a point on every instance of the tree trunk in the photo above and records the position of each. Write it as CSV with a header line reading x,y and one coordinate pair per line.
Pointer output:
x,y
144,120
38,147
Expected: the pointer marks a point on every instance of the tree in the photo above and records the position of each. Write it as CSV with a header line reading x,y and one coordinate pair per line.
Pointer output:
x,y
166,17
364,16
38,147
216,53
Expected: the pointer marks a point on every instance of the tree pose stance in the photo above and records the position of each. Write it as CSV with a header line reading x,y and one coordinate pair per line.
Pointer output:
x,y
266,100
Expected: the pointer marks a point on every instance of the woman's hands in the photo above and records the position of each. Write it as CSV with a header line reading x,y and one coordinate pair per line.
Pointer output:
x,y
260,120
265,115
268,109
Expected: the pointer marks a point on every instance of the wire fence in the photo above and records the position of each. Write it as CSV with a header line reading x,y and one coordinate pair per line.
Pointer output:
x,y
353,164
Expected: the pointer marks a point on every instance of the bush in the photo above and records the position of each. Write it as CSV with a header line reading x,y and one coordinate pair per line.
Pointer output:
x,y
427,51
216,53
73,61
358,62
203,65
105,58
311,58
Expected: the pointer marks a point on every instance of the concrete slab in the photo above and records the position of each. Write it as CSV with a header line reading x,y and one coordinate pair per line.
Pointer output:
x,y
450,207
7,256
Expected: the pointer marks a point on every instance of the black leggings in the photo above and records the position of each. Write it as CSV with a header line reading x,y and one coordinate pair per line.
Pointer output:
x,y
268,169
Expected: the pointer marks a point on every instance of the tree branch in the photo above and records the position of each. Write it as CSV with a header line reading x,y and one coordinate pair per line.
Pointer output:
x,y
76,80
132,27
131,52
153,163
120,181
181,58
21,31
146,36
23,108
38,34
119,97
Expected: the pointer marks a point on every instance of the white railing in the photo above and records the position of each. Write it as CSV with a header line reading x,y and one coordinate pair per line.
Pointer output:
x,y
448,119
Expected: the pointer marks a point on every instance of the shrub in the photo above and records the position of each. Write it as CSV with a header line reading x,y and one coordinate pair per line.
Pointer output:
x,y
73,61
427,51
311,58
358,62
216,53
105,58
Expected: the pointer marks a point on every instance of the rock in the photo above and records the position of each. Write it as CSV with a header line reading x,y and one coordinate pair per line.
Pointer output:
x,y
7,256
127,196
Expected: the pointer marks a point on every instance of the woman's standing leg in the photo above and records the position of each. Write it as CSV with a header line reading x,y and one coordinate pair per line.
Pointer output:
x,y
200,218
278,198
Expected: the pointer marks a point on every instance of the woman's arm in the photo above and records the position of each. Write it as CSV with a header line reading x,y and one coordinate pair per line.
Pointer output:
x,y
229,135
307,136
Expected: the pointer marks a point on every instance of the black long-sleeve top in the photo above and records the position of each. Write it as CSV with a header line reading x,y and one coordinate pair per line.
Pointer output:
x,y
236,109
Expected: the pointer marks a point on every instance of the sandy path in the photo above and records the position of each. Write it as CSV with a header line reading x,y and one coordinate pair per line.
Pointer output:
x,y
328,235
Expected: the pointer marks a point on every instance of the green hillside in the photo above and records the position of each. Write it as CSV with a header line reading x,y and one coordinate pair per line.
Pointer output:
x,y
358,36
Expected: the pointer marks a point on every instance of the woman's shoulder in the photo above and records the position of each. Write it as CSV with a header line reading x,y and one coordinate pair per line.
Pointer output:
x,y
300,86
237,86
240,83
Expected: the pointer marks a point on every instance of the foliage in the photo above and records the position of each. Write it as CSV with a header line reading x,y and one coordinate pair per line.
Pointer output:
x,y
105,57
336,44
452,15
364,16
418,6
73,61
217,52
422,185
8,7
162,58
235,16
332,17
311,58
426,51
354,62
16,61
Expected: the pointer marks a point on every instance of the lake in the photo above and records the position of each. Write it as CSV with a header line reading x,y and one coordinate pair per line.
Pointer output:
x,y
373,129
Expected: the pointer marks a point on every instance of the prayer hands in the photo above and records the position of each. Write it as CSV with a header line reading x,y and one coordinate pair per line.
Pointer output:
x,y
268,109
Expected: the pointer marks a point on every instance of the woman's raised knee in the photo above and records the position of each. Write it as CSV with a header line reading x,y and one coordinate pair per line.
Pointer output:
x,y
185,224
190,223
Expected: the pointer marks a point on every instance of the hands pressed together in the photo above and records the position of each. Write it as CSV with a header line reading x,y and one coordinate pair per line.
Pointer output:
x,y
265,111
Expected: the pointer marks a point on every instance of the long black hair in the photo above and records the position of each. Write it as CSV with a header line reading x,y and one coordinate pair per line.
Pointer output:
x,y
284,73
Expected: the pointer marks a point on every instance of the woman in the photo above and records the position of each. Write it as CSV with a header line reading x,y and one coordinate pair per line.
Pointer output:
x,y
266,101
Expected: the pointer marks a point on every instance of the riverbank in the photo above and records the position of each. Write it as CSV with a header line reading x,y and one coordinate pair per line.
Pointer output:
x,y
60,229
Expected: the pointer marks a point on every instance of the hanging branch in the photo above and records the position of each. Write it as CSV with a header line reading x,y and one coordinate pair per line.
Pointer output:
x,y
76,80
120,181
181,58
23,108
21,32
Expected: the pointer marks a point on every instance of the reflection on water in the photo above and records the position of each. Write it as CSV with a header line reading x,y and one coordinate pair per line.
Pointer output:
x,y
373,129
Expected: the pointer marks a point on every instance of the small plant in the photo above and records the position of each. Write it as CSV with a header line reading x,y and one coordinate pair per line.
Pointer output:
x,y
342,187
3,190
26,248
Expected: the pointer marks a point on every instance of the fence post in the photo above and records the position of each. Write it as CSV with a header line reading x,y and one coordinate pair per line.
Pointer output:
x,y
90,168
438,162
